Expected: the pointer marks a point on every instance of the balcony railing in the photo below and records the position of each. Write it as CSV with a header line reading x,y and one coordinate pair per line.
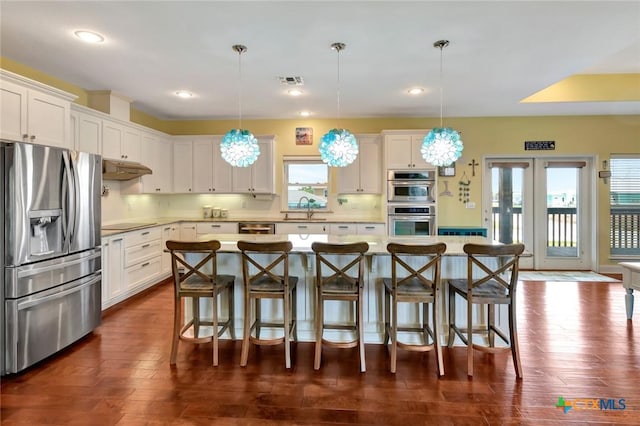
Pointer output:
x,y
562,226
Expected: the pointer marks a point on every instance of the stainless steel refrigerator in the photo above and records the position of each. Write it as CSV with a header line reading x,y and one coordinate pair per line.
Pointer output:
x,y
50,252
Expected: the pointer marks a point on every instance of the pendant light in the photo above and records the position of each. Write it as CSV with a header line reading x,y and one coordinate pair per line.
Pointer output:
x,y
239,147
442,145
338,147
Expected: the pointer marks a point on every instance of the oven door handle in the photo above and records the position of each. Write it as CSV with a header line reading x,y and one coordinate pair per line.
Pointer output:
x,y
414,218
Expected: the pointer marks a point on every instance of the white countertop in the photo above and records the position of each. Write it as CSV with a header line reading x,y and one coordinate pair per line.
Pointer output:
x,y
377,243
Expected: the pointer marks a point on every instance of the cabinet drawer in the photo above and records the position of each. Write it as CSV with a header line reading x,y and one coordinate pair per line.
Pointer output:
x,y
217,228
301,228
370,229
140,252
142,236
142,272
343,229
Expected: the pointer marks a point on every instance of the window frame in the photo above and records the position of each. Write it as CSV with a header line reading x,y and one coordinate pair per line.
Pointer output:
x,y
297,159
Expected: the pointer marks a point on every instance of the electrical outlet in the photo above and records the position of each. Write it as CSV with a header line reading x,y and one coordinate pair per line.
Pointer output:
x,y
470,205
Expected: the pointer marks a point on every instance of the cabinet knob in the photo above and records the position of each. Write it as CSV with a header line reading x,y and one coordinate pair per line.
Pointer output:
x,y
33,137
189,189
25,136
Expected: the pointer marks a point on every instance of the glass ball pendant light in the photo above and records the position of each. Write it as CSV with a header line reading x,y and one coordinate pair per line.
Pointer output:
x,y
338,147
239,147
442,145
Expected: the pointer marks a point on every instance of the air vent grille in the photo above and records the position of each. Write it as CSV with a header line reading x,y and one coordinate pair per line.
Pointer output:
x,y
291,81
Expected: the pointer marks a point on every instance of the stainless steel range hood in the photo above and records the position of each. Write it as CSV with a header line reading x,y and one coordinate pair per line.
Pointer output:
x,y
123,170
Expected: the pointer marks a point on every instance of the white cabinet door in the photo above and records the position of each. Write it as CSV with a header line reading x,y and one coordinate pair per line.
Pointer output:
x,y
403,151
259,177
112,137
13,111
222,171
203,165
163,169
363,176
131,141
169,232
33,116
48,120
182,166
113,270
88,137
188,231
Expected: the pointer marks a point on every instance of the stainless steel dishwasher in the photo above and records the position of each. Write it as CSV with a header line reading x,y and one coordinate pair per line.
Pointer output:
x,y
256,228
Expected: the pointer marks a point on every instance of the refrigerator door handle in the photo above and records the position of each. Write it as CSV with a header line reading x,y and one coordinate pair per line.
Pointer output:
x,y
92,280
70,206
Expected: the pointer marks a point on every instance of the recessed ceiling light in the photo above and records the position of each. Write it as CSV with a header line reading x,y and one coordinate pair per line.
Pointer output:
x,y
184,94
294,92
89,36
416,91
305,113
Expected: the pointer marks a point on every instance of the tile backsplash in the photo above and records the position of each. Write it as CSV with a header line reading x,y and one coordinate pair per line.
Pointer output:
x,y
117,207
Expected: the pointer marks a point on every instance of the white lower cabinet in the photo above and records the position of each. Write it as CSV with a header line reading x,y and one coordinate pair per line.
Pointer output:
x,y
302,228
169,232
132,262
342,229
188,231
203,228
112,270
370,229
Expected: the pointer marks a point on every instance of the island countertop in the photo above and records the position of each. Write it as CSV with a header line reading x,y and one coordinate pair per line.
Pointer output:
x,y
377,243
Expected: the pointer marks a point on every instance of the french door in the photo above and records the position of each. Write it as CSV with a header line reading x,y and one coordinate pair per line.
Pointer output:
x,y
544,203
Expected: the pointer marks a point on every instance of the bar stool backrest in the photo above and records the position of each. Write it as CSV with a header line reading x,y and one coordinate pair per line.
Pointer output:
x,y
494,264
428,271
186,272
349,272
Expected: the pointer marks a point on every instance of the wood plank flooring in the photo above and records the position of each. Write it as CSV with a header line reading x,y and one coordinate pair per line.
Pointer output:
x,y
575,342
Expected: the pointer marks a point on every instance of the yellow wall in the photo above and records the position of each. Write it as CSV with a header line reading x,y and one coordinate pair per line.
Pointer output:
x,y
599,136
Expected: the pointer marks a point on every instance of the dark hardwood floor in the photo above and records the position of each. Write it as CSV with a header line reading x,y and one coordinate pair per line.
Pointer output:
x,y
575,342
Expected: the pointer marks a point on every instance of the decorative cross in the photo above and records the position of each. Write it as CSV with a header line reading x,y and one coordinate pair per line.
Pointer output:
x,y
473,165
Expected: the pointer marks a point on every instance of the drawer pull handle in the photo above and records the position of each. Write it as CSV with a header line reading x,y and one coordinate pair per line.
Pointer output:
x,y
343,227
302,227
144,264
145,246
369,227
215,226
145,233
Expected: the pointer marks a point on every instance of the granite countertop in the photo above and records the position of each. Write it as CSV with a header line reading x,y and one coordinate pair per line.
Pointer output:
x,y
137,224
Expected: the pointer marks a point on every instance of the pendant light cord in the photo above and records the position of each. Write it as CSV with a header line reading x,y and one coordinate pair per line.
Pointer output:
x,y
441,90
240,90
338,82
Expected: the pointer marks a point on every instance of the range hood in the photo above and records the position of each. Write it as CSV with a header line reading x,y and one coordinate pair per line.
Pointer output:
x,y
123,170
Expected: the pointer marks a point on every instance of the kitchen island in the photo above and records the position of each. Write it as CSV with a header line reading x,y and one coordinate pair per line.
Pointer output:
x,y
302,264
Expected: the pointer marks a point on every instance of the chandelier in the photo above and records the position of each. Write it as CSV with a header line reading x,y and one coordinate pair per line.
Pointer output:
x,y
338,147
442,145
239,147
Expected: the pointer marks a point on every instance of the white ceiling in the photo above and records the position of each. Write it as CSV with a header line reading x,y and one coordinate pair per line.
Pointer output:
x,y
500,53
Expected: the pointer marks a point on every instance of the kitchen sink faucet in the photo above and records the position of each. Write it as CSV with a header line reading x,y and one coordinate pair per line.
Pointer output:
x,y
309,211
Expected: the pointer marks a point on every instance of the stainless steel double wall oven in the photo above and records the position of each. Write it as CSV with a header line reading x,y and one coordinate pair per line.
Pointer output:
x,y
50,251
411,203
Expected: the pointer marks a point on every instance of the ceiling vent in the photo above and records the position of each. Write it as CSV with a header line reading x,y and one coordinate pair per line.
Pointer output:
x,y
291,81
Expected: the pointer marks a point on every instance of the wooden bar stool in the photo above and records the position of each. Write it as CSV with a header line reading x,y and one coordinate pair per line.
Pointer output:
x,y
341,284
492,277
417,285
262,282
195,275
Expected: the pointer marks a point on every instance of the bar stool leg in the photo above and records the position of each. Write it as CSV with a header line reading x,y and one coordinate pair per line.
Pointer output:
x,y
513,340
452,317
246,330
469,337
319,327
387,315
232,310
491,320
436,335
215,331
177,316
394,334
359,305
285,309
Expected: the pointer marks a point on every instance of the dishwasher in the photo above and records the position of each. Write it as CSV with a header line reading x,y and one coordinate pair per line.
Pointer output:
x,y
256,228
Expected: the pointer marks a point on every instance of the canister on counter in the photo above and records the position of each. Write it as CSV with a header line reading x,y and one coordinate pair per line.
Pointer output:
x,y
216,212
206,211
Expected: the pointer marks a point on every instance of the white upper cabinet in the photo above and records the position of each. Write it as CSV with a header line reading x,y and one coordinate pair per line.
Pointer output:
x,y
120,142
182,165
33,112
156,152
211,174
363,176
402,150
259,177
86,132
